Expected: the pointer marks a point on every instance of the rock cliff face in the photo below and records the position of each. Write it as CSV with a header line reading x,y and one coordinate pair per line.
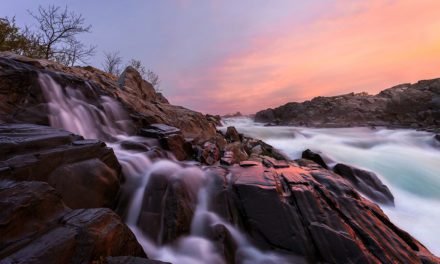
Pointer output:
x,y
22,99
409,105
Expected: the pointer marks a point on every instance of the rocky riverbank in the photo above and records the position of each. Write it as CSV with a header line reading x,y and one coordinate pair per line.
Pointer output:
x,y
65,197
414,106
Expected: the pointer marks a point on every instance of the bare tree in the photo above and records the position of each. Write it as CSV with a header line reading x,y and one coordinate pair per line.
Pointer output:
x,y
153,78
112,62
74,52
137,64
58,29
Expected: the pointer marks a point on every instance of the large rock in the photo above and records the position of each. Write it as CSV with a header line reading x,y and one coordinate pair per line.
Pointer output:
x,y
22,99
170,139
232,134
169,202
366,182
408,105
36,227
131,81
315,213
85,172
310,155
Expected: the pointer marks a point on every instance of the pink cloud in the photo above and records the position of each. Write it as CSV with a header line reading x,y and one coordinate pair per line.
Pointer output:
x,y
361,47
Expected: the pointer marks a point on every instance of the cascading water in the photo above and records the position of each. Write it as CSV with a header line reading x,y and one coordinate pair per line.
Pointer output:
x,y
103,118
407,161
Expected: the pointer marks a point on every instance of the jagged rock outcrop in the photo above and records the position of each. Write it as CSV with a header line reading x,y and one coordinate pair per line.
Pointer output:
x,y
409,105
85,172
22,99
296,208
366,182
36,227
310,155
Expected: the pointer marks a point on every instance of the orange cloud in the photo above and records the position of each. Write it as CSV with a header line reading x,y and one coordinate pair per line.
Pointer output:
x,y
361,47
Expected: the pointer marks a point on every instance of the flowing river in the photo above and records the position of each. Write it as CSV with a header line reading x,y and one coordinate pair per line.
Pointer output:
x,y
407,161
91,115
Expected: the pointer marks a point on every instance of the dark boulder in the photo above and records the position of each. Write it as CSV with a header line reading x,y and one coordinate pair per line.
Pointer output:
x,y
181,148
85,172
366,182
38,228
238,151
159,131
232,134
312,212
171,139
437,137
310,155
169,202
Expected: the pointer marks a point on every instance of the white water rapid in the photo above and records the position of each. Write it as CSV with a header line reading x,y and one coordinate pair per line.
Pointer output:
x,y
407,161
101,117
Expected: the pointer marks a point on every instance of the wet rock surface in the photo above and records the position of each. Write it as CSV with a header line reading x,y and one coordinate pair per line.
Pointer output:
x,y
36,227
313,212
366,182
22,99
310,155
85,172
407,105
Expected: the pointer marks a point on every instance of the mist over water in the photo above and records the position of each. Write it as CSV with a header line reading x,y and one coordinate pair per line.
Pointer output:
x,y
407,161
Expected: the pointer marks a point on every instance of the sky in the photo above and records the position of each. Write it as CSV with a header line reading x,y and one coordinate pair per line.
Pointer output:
x,y
224,56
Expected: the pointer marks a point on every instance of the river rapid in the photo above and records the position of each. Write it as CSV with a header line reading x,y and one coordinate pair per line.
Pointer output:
x,y
407,161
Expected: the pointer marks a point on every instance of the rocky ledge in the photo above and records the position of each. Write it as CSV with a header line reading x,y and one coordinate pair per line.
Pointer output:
x,y
22,98
37,227
85,172
297,208
406,105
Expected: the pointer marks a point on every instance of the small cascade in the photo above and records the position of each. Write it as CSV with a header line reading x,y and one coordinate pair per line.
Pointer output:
x,y
105,119
70,109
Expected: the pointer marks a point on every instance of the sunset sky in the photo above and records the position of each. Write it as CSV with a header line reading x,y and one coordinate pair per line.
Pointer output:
x,y
225,56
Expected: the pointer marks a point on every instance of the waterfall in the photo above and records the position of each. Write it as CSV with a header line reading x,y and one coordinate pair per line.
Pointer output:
x,y
103,117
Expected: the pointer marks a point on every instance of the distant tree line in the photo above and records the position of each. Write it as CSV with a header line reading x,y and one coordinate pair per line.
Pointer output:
x,y
56,38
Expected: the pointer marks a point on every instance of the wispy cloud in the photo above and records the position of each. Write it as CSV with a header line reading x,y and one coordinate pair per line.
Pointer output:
x,y
357,47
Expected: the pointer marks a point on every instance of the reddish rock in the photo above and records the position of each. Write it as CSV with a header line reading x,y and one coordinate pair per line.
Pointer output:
x,y
85,172
38,228
315,213
181,149
366,182
239,153
210,153
22,99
